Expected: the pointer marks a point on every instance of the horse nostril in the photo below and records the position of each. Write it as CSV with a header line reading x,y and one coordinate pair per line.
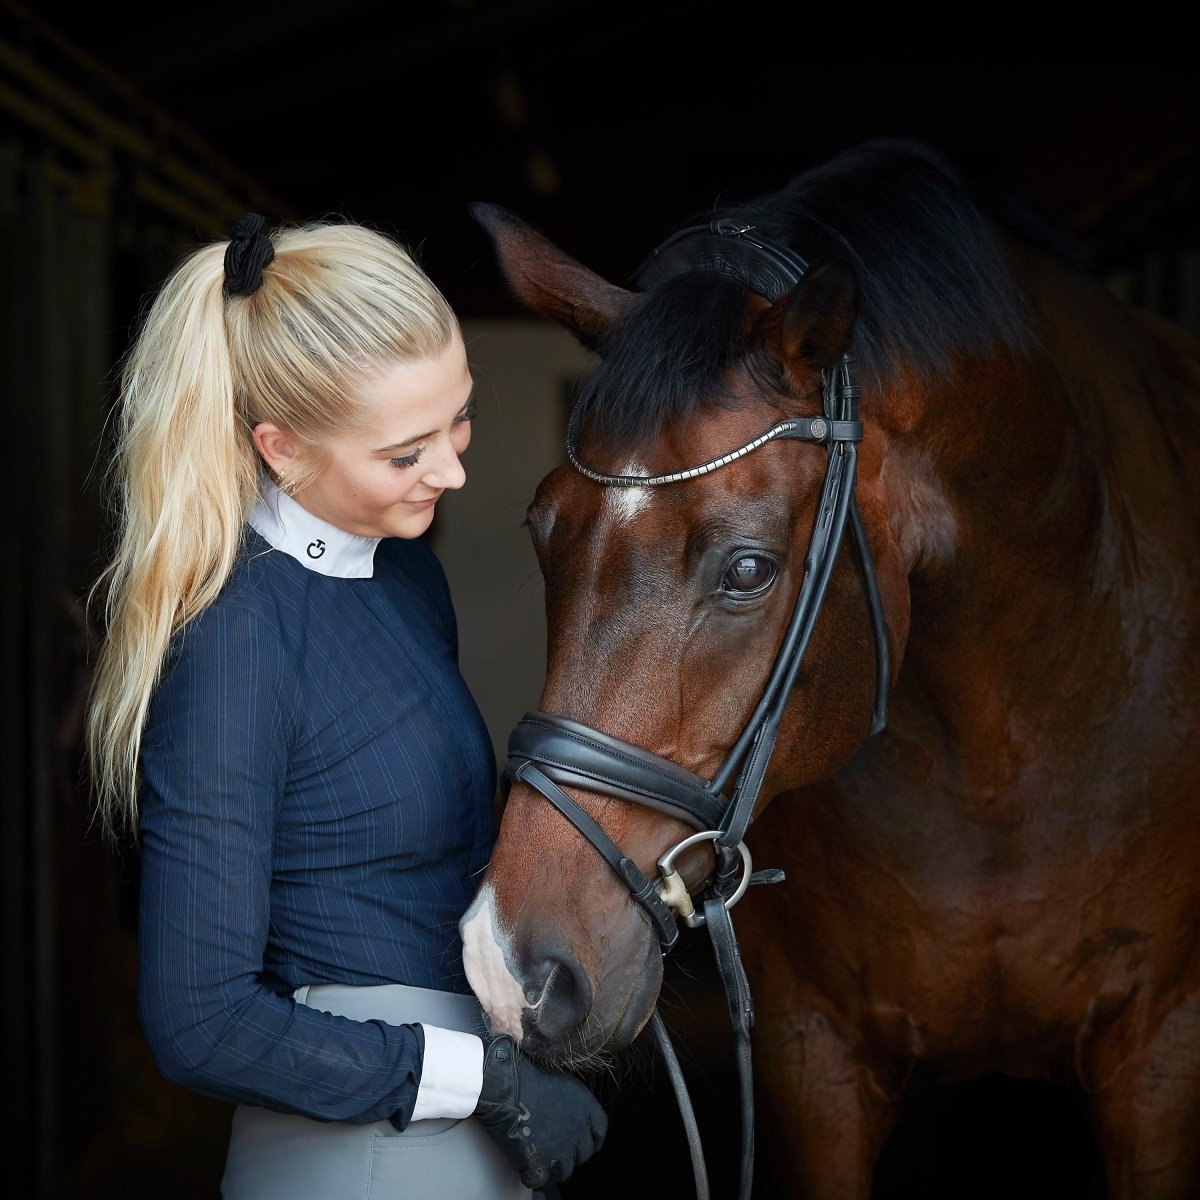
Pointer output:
x,y
564,999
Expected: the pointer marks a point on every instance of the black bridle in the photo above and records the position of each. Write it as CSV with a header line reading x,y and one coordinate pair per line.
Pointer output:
x,y
548,752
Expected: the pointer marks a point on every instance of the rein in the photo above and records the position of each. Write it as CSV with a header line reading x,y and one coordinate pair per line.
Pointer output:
x,y
548,752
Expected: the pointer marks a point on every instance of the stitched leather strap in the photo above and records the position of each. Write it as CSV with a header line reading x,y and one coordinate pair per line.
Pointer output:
x,y
741,1014
577,755
727,248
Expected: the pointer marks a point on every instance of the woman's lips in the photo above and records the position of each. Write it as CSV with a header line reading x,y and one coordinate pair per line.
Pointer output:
x,y
424,503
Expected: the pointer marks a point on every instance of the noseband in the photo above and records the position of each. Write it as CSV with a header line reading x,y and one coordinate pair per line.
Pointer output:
x,y
548,752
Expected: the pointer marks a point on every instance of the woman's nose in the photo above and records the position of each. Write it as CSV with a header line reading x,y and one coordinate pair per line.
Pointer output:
x,y
445,469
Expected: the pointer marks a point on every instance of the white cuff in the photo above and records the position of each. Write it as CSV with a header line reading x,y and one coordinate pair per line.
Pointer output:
x,y
451,1074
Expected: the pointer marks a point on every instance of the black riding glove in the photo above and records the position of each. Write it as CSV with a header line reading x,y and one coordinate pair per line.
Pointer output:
x,y
546,1122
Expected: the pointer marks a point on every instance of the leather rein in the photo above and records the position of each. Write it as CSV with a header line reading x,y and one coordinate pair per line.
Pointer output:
x,y
548,752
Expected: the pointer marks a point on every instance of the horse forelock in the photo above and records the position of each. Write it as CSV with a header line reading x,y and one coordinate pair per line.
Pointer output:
x,y
665,361
934,287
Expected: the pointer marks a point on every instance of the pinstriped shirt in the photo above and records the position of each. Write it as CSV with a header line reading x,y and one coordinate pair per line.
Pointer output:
x,y
316,806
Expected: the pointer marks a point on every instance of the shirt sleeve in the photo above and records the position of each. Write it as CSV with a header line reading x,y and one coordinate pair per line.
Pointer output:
x,y
213,765
452,1074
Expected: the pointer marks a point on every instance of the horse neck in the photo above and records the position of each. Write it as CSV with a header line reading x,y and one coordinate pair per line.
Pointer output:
x,y
1001,499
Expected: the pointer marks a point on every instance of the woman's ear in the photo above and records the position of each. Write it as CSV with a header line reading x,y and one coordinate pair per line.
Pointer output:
x,y
279,449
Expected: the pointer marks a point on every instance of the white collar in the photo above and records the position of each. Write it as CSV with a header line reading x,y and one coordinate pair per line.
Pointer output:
x,y
319,546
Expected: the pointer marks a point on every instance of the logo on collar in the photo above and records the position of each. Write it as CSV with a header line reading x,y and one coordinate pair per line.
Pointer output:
x,y
316,549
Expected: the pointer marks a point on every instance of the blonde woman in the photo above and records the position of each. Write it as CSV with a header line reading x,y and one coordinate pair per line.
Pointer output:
x,y
278,711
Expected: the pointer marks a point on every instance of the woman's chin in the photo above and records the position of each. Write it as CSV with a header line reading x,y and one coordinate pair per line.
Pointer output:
x,y
411,523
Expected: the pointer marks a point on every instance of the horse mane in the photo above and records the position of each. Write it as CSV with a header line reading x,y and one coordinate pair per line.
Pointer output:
x,y
933,285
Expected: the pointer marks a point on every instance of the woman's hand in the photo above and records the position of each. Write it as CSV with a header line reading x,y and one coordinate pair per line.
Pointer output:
x,y
546,1122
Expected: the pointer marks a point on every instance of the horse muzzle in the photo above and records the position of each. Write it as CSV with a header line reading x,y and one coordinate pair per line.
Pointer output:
x,y
563,996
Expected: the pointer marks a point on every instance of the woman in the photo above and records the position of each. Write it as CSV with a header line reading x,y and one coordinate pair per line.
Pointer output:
x,y
279,688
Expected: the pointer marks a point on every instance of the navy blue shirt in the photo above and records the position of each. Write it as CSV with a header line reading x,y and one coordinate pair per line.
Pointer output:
x,y
317,802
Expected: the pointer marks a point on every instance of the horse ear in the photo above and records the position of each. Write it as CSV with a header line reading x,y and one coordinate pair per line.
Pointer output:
x,y
809,328
550,282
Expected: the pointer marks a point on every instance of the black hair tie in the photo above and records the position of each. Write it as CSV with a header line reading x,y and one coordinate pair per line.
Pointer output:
x,y
247,254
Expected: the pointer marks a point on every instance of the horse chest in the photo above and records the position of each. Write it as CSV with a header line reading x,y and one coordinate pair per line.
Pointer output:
x,y
992,944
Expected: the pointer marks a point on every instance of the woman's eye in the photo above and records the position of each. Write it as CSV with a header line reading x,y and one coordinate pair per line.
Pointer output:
x,y
749,573
468,414
409,460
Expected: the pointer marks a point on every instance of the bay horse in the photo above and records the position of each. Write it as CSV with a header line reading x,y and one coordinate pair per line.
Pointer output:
x,y
1006,878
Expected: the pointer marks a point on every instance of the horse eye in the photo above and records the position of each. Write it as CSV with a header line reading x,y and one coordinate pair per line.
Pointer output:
x,y
749,573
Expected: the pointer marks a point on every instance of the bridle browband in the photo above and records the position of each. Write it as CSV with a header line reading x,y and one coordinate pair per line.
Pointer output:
x,y
548,752
804,429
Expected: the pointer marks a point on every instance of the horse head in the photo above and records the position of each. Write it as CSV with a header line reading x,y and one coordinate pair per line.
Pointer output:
x,y
667,607
738,554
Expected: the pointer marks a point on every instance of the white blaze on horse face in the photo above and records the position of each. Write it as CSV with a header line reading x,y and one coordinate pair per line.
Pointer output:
x,y
485,957
625,503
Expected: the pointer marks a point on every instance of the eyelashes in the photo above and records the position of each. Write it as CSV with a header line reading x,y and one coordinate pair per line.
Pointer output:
x,y
410,460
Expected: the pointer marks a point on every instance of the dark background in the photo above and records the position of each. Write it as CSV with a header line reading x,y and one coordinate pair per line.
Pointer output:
x,y
607,123
128,134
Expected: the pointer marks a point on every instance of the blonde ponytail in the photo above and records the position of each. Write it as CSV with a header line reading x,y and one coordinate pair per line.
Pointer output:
x,y
338,302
